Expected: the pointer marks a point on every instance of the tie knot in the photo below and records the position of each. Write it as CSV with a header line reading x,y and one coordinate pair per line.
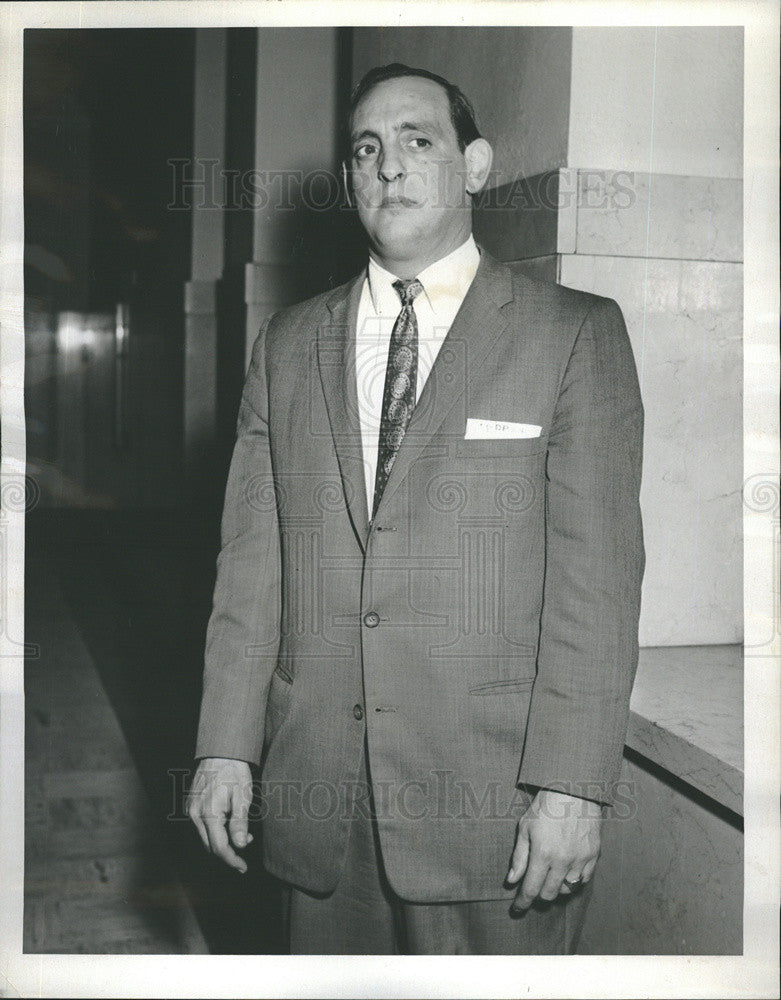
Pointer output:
x,y
408,290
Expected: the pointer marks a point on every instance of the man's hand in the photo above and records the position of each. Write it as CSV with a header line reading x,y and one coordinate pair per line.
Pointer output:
x,y
558,839
221,793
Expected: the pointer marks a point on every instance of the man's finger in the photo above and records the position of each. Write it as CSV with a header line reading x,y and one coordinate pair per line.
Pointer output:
x,y
553,883
220,845
238,827
520,854
194,809
588,869
571,882
536,872
199,826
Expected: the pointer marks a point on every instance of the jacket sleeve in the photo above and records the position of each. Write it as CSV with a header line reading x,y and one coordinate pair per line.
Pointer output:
x,y
242,638
594,562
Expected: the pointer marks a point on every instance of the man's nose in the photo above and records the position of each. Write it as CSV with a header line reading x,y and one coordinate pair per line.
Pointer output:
x,y
390,168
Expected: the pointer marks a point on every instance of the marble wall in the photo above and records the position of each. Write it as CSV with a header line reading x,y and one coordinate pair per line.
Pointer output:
x,y
670,877
684,321
656,138
648,211
662,99
668,249
671,259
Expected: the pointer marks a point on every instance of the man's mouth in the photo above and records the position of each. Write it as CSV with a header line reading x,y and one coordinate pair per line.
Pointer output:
x,y
396,200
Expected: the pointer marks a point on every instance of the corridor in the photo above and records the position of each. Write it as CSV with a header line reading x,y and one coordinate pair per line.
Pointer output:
x,y
117,605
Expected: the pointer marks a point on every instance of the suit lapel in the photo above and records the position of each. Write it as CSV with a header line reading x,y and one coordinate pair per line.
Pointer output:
x,y
478,324
336,361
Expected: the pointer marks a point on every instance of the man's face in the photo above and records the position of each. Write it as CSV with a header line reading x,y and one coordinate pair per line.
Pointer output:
x,y
408,174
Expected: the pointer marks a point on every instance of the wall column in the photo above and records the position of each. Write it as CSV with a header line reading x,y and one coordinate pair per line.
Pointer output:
x,y
296,157
658,226
647,209
205,195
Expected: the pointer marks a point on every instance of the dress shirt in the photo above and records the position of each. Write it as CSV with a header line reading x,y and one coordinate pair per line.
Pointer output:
x,y
445,284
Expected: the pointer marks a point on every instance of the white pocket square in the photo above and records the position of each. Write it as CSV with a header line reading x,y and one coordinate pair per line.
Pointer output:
x,y
487,429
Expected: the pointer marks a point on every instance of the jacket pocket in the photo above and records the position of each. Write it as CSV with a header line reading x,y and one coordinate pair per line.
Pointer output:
x,y
278,704
503,686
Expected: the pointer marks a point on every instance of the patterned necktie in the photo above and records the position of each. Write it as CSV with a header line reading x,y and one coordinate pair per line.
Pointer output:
x,y
398,398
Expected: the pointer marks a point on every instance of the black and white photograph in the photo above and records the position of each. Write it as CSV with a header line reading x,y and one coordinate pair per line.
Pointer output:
x,y
390,526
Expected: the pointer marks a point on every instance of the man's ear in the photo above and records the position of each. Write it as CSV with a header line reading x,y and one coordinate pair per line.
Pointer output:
x,y
346,182
479,157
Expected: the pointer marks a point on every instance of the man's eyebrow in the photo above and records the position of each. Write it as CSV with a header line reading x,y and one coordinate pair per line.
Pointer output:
x,y
424,125
363,134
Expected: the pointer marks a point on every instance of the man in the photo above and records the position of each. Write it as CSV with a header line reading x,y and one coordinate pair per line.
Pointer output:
x,y
425,617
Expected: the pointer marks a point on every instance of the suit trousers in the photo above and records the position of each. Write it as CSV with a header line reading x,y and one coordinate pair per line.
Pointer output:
x,y
364,916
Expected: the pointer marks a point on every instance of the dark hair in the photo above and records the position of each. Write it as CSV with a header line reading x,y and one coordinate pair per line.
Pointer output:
x,y
462,114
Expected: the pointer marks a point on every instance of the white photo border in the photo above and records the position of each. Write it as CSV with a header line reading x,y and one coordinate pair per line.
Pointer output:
x,y
753,974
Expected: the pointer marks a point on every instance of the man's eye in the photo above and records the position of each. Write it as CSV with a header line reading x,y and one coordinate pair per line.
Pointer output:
x,y
419,142
364,150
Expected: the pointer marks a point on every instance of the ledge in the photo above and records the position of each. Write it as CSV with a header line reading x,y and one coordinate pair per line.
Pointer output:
x,y
613,213
687,717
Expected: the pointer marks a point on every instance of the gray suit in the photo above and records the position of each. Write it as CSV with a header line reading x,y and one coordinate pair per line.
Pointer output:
x,y
481,634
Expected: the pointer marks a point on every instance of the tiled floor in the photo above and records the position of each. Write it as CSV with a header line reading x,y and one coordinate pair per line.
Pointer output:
x,y
118,603
97,878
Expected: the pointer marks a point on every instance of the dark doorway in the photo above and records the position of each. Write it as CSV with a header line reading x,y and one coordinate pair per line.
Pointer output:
x,y
119,559
105,263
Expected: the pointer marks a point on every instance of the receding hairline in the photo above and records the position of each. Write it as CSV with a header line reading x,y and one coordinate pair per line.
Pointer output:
x,y
394,79
462,114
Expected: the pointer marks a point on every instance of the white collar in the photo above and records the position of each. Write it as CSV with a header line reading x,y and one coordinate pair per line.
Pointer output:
x,y
446,280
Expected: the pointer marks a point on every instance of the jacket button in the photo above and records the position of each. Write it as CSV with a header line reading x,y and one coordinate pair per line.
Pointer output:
x,y
358,712
371,619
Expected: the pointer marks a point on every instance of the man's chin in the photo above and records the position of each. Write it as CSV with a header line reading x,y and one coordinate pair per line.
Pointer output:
x,y
398,243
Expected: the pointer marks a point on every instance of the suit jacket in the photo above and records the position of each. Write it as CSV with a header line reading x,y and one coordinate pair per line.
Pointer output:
x,y
482,632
